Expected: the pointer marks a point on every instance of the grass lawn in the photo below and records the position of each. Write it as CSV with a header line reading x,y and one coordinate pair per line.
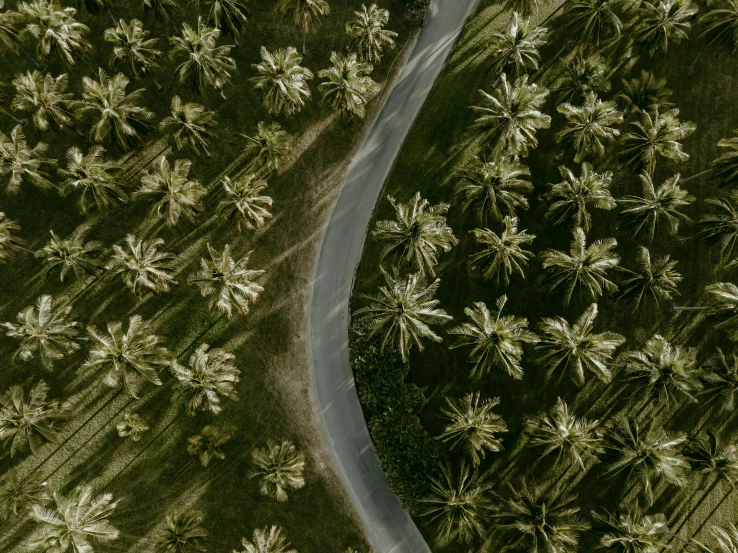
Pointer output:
x,y
439,144
156,475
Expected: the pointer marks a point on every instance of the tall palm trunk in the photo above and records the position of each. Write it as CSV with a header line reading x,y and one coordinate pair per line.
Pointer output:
x,y
302,28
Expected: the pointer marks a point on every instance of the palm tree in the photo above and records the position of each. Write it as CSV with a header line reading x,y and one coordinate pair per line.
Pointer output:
x,y
171,188
663,21
72,522
43,329
653,136
516,48
229,16
47,98
503,254
663,371
132,48
206,445
9,242
495,341
279,467
653,279
574,195
721,228
726,165
117,112
583,268
142,265
593,21
29,421
590,127
573,348
656,205
720,380
230,283
210,375
368,36
55,28
727,540
403,312
18,493
575,439
632,531
474,425
417,235
189,124
723,299
98,181
720,26
19,162
160,8
205,64
11,23
646,455
493,187
542,522
72,254
244,203
184,533
267,148
129,358
458,507
348,86
305,14
709,458
511,116
582,75
282,80
266,540
133,425
646,94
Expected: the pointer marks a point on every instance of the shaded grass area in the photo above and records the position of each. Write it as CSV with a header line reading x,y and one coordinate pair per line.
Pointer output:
x,y
439,144
156,475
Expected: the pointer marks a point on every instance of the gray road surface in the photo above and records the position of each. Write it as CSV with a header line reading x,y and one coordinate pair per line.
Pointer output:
x,y
390,529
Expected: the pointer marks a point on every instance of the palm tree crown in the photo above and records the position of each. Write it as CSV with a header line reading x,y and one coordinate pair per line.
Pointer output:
x,y
583,75
494,187
590,127
132,48
47,98
55,28
282,80
511,116
662,21
592,21
118,113
18,162
18,494
644,213
367,33
417,235
142,265
266,540
653,279
633,531
183,533
206,445
245,203
584,267
229,282
516,48
175,194
279,467
574,195
129,358
503,253
726,165
720,380
709,458
305,14
74,521
723,299
229,16
573,438
403,312
574,348
210,375
495,341
205,64
9,242
655,136
721,228
472,423
720,25
44,330
268,147
646,94
190,124
11,23
97,180
348,86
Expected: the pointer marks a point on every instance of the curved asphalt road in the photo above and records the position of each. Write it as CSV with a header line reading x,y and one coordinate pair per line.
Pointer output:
x,y
390,529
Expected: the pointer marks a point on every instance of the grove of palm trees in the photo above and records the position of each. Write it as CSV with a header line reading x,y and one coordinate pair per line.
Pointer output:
x,y
545,318
166,168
